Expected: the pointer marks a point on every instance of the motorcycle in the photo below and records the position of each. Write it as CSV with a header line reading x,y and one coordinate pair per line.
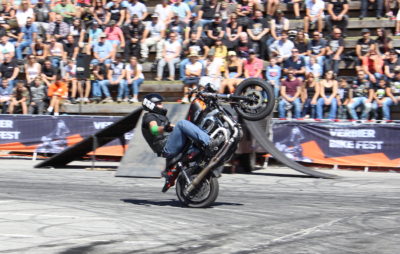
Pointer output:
x,y
194,172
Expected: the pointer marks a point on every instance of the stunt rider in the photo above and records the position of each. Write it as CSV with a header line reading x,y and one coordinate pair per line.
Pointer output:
x,y
168,140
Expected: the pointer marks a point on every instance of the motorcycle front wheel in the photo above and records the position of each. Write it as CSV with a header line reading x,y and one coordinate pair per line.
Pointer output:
x,y
203,196
263,97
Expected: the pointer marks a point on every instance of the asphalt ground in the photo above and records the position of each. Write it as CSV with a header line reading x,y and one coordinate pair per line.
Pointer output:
x,y
275,210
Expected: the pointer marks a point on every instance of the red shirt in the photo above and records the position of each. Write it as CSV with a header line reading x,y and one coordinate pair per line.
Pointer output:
x,y
253,67
291,86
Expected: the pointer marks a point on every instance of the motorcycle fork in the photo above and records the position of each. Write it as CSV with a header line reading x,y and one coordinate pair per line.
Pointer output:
x,y
185,174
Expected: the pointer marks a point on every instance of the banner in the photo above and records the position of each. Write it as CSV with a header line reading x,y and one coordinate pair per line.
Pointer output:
x,y
350,144
49,134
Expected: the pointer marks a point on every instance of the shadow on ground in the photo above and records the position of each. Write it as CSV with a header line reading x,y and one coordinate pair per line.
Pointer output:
x,y
170,202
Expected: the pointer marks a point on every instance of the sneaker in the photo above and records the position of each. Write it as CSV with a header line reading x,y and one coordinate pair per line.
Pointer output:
x,y
107,100
85,100
185,100
133,100
170,176
73,101
143,60
125,99
119,100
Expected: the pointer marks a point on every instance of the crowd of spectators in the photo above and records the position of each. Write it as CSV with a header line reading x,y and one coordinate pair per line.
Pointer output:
x,y
78,51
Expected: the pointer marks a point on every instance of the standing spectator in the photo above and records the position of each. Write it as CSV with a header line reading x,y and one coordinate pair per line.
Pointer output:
x,y
309,96
20,97
214,30
115,36
314,15
273,75
208,11
138,8
134,77
290,95
32,69
116,77
233,72
362,95
58,29
26,38
363,46
384,43
6,47
278,24
103,51
57,92
328,91
317,48
257,30
282,49
9,69
170,55
337,15
334,50
117,13
179,27
296,64
38,95
372,65
133,33
378,7
49,74
23,13
56,52
65,9
40,50
393,93
233,29
153,36
253,66
5,96
164,11
343,98
182,10
391,64
192,75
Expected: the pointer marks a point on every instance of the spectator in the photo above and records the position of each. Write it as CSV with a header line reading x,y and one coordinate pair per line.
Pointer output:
x,y
153,36
257,30
244,11
301,43
103,51
253,66
208,11
48,72
221,51
55,52
72,82
343,98
134,77
334,51
290,95
99,13
117,13
309,96
193,46
214,30
5,96
133,33
193,72
77,31
40,50
94,34
6,47
58,29
65,9
19,98
99,75
372,65
213,67
328,91
282,49
195,26
233,72
23,13
182,10
363,46
384,43
170,56
313,67
115,36
26,38
138,8
41,11
381,93
32,69
116,77
314,15
393,93
244,45
71,49
391,64
296,7
362,96
9,70
296,64
7,12
337,15
38,95
164,11
179,27
397,28
273,75
271,7
233,29
316,47
378,7
278,24
57,92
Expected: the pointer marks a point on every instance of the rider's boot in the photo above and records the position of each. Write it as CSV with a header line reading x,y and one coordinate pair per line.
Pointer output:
x,y
212,148
170,174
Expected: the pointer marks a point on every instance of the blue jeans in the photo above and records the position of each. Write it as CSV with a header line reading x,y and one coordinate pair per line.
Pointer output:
x,y
183,131
97,62
332,108
386,107
135,85
284,103
308,109
55,61
21,47
96,91
122,88
356,102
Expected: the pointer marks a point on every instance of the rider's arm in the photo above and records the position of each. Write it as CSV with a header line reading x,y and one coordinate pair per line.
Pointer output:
x,y
155,129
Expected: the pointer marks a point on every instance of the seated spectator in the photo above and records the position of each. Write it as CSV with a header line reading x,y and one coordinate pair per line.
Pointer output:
x,y
244,45
343,98
78,32
193,72
115,36
233,30
314,15
136,7
244,10
41,11
233,73
25,38
378,6
271,7
133,33
194,26
117,13
208,11
257,30
381,93
94,34
38,95
296,63
278,24
397,29
182,10
362,91
58,93
193,46
179,27
309,97
273,75
214,30
393,94
301,43
103,51
19,98
99,13
372,65
6,47
334,51
65,9
7,12
313,67
253,66
170,56
164,11
153,35
290,95
282,49
213,66
72,82
99,75
116,77
40,50
32,69
316,47
384,44
55,52
327,91
391,64
49,73
337,15
57,29
134,77
5,96
9,70
24,12
221,51
71,49
363,46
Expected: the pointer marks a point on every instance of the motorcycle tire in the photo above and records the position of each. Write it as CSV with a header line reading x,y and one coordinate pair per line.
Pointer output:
x,y
259,89
209,184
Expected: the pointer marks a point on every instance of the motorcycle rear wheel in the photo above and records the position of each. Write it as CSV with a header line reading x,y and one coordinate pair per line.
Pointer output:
x,y
203,196
264,95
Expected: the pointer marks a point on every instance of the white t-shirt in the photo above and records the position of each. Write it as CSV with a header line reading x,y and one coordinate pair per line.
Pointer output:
x,y
139,67
7,48
155,29
172,48
22,16
163,12
316,7
194,67
139,9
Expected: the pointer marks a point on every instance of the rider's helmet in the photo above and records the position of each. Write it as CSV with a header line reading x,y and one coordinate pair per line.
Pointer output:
x,y
150,102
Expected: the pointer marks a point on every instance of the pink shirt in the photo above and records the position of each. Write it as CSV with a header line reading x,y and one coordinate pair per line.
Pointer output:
x,y
113,34
253,67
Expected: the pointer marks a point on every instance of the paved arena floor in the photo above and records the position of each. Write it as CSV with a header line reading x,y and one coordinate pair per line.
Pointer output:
x,y
274,210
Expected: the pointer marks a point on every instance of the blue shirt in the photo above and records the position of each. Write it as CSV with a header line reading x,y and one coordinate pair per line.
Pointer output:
x,y
273,73
6,91
28,32
103,50
180,10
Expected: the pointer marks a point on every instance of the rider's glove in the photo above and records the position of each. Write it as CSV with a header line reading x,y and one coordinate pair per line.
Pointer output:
x,y
168,127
